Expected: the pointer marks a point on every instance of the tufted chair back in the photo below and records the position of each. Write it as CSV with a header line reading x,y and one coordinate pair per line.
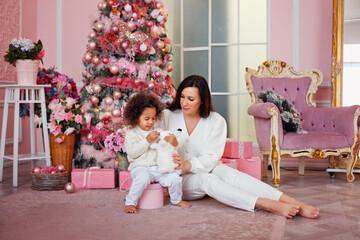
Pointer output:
x,y
293,89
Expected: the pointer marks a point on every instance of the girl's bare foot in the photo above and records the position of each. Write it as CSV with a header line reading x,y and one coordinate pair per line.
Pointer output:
x,y
130,209
288,210
307,211
183,204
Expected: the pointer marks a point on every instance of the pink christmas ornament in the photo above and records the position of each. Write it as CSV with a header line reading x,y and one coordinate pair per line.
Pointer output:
x,y
114,29
131,25
36,169
105,60
160,44
110,3
94,100
99,26
69,187
169,67
157,73
108,101
95,60
118,80
54,171
149,24
61,168
92,45
134,16
87,57
158,5
116,112
89,137
96,88
167,48
124,45
117,94
114,69
92,34
148,1
150,85
100,6
137,81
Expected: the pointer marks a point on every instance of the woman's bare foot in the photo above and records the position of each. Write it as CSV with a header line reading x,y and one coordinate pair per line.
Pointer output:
x,y
183,204
288,210
130,209
307,211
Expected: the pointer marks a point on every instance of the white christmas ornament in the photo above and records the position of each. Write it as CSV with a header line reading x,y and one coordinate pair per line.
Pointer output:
x,y
148,1
127,8
143,47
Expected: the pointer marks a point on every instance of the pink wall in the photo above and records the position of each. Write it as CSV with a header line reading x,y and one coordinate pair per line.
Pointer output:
x,y
281,42
315,37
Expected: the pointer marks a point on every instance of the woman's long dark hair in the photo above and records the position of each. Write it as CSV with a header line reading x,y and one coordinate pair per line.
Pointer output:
x,y
200,83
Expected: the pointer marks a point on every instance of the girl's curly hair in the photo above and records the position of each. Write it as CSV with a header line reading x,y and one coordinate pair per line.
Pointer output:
x,y
137,104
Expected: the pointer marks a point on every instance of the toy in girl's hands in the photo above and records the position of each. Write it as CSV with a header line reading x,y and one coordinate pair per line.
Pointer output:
x,y
165,152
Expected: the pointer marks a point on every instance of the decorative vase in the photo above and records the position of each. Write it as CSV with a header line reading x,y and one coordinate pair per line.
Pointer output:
x,y
123,163
27,71
62,153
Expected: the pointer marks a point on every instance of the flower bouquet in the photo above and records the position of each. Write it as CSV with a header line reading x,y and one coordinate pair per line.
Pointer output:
x,y
23,48
115,142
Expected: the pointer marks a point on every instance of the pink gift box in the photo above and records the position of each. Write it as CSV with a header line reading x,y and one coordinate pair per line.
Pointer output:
x,y
124,180
251,166
93,178
237,149
229,162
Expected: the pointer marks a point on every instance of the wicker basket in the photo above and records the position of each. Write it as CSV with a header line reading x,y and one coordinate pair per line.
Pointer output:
x,y
62,153
48,181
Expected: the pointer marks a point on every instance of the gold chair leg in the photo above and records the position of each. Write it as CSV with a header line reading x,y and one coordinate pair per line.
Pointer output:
x,y
301,166
265,165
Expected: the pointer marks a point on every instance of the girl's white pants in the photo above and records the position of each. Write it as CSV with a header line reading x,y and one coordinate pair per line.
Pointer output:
x,y
143,176
228,186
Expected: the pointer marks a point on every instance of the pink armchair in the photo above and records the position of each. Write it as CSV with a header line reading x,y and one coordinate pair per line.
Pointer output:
x,y
330,131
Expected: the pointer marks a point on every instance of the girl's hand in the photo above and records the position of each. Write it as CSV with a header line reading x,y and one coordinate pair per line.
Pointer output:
x,y
184,166
172,140
152,137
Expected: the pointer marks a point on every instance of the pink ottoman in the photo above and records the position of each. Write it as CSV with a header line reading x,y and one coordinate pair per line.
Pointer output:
x,y
152,197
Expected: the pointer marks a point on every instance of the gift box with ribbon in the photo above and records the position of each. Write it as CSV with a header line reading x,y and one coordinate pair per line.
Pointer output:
x,y
237,149
124,180
251,166
229,162
93,178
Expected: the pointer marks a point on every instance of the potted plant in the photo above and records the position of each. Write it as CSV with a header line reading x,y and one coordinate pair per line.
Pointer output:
x,y
26,56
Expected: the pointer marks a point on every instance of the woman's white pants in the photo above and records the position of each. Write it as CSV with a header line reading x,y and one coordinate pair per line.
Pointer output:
x,y
228,186
143,176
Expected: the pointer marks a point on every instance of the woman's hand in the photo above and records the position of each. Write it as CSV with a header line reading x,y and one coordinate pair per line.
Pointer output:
x,y
172,140
183,165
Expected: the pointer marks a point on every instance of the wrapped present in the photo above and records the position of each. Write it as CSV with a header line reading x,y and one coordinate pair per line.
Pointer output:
x,y
93,178
229,162
124,180
237,149
251,166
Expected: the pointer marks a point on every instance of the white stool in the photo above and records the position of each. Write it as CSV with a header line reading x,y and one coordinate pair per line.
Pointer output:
x,y
30,94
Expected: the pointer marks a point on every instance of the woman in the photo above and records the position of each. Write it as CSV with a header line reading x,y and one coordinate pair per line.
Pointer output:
x,y
200,148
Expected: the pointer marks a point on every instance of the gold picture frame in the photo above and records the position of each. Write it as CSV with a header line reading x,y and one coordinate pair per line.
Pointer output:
x,y
337,53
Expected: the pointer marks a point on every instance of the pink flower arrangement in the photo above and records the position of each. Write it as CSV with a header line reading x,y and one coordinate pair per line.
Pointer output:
x,y
115,142
64,117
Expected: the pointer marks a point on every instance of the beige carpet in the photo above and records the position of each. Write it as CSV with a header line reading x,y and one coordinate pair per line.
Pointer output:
x,y
98,214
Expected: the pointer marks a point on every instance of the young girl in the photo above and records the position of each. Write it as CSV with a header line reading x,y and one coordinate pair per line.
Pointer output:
x,y
141,113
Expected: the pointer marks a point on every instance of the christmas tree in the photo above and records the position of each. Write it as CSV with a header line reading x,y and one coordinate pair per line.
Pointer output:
x,y
127,52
